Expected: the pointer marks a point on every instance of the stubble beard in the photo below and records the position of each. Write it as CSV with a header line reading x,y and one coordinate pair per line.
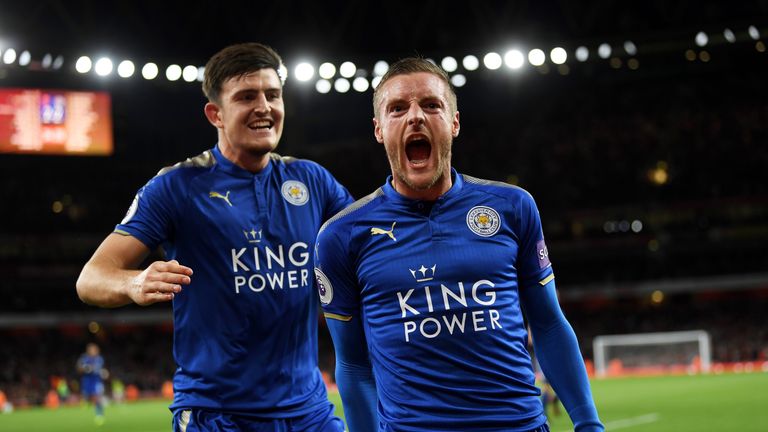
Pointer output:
x,y
443,161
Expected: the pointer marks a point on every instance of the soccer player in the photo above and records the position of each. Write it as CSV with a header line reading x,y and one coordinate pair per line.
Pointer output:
x,y
90,365
245,220
425,281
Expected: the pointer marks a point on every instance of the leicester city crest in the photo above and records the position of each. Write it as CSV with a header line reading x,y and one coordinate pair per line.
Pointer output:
x,y
483,221
324,287
295,192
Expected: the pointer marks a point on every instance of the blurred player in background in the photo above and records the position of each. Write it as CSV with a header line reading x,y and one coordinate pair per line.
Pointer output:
x,y
90,366
424,283
245,220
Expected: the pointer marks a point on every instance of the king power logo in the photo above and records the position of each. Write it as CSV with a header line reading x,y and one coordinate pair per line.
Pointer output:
x,y
273,267
446,309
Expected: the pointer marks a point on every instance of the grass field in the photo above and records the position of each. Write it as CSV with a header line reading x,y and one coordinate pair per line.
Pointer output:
x,y
730,402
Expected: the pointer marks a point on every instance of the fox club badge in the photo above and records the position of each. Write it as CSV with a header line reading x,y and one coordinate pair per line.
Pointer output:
x,y
483,221
295,192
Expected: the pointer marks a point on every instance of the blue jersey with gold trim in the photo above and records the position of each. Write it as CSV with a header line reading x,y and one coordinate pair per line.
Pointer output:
x,y
437,287
245,329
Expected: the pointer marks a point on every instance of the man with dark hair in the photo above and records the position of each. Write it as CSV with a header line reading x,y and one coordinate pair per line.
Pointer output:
x,y
424,283
244,219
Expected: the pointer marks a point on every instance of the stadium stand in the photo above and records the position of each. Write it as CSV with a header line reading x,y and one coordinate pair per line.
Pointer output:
x,y
678,146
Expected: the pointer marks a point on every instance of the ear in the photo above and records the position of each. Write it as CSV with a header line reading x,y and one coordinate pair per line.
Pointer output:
x,y
212,113
377,131
456,125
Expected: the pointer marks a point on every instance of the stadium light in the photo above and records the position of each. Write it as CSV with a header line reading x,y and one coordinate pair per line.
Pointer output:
x,y
126,69
82,65
536,57
150,71
282,73
582,53
173,72
200,73
323,86
341,85
604,50
47,61
380,68
754,33
492,60
514,59
458,80
103,66
360,84
58,62
9,56
25,58
470,62
326,70
630,48
729,36
558,55
449,64
347,70
701,39
304,71
375,81
189,73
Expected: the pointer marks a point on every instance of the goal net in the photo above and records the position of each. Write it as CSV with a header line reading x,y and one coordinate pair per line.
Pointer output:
x,y
652,353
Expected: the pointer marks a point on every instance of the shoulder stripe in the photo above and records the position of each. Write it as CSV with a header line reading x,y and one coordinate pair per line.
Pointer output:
x,y
203,160
484,182
284,159
337,317
547,279
353,207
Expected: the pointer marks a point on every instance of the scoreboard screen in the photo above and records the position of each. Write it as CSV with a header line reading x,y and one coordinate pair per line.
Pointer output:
x,y
55,122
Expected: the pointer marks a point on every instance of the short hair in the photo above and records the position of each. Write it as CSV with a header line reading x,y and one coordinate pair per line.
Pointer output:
x,y
235,61
411,65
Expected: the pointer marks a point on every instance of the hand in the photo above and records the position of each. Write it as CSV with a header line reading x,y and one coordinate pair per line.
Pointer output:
x,y
161,281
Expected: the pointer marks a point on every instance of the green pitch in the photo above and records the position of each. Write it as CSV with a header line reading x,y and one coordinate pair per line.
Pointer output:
x,y
731,402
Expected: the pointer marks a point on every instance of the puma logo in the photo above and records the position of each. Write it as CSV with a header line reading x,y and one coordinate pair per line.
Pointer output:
x,y
390,233
218,195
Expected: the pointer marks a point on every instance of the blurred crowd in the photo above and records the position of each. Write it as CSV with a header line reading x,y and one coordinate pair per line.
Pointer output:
x,y
34,361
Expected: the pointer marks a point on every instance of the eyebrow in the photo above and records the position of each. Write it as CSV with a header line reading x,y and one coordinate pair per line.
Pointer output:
x,y
253,90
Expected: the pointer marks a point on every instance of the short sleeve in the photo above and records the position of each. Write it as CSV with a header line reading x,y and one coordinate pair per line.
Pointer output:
x,y
150,215
534,266
336,280
337,196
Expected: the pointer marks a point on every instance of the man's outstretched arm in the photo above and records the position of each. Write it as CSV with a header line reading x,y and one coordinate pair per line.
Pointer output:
x,y
111,277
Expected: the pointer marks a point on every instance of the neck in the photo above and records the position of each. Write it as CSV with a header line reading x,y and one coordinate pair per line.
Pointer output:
x,y
246,160
431,193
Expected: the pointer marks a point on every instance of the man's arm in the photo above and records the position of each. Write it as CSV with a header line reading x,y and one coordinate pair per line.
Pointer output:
x,y
558,353
111,277
354,375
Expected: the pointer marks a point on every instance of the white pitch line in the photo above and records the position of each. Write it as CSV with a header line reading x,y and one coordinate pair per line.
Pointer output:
x,y
627,422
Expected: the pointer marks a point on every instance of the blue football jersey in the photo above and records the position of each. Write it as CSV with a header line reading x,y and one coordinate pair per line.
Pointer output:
x,y
245,329
437,287
91,368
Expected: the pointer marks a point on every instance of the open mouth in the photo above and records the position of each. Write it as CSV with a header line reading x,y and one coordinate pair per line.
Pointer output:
x,y
261,125
418,151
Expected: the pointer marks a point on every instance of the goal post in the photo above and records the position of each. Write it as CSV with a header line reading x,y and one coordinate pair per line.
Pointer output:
x,y
650,353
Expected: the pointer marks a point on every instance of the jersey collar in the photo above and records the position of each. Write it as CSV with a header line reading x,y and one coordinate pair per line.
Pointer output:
x,y
229,167
391,193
